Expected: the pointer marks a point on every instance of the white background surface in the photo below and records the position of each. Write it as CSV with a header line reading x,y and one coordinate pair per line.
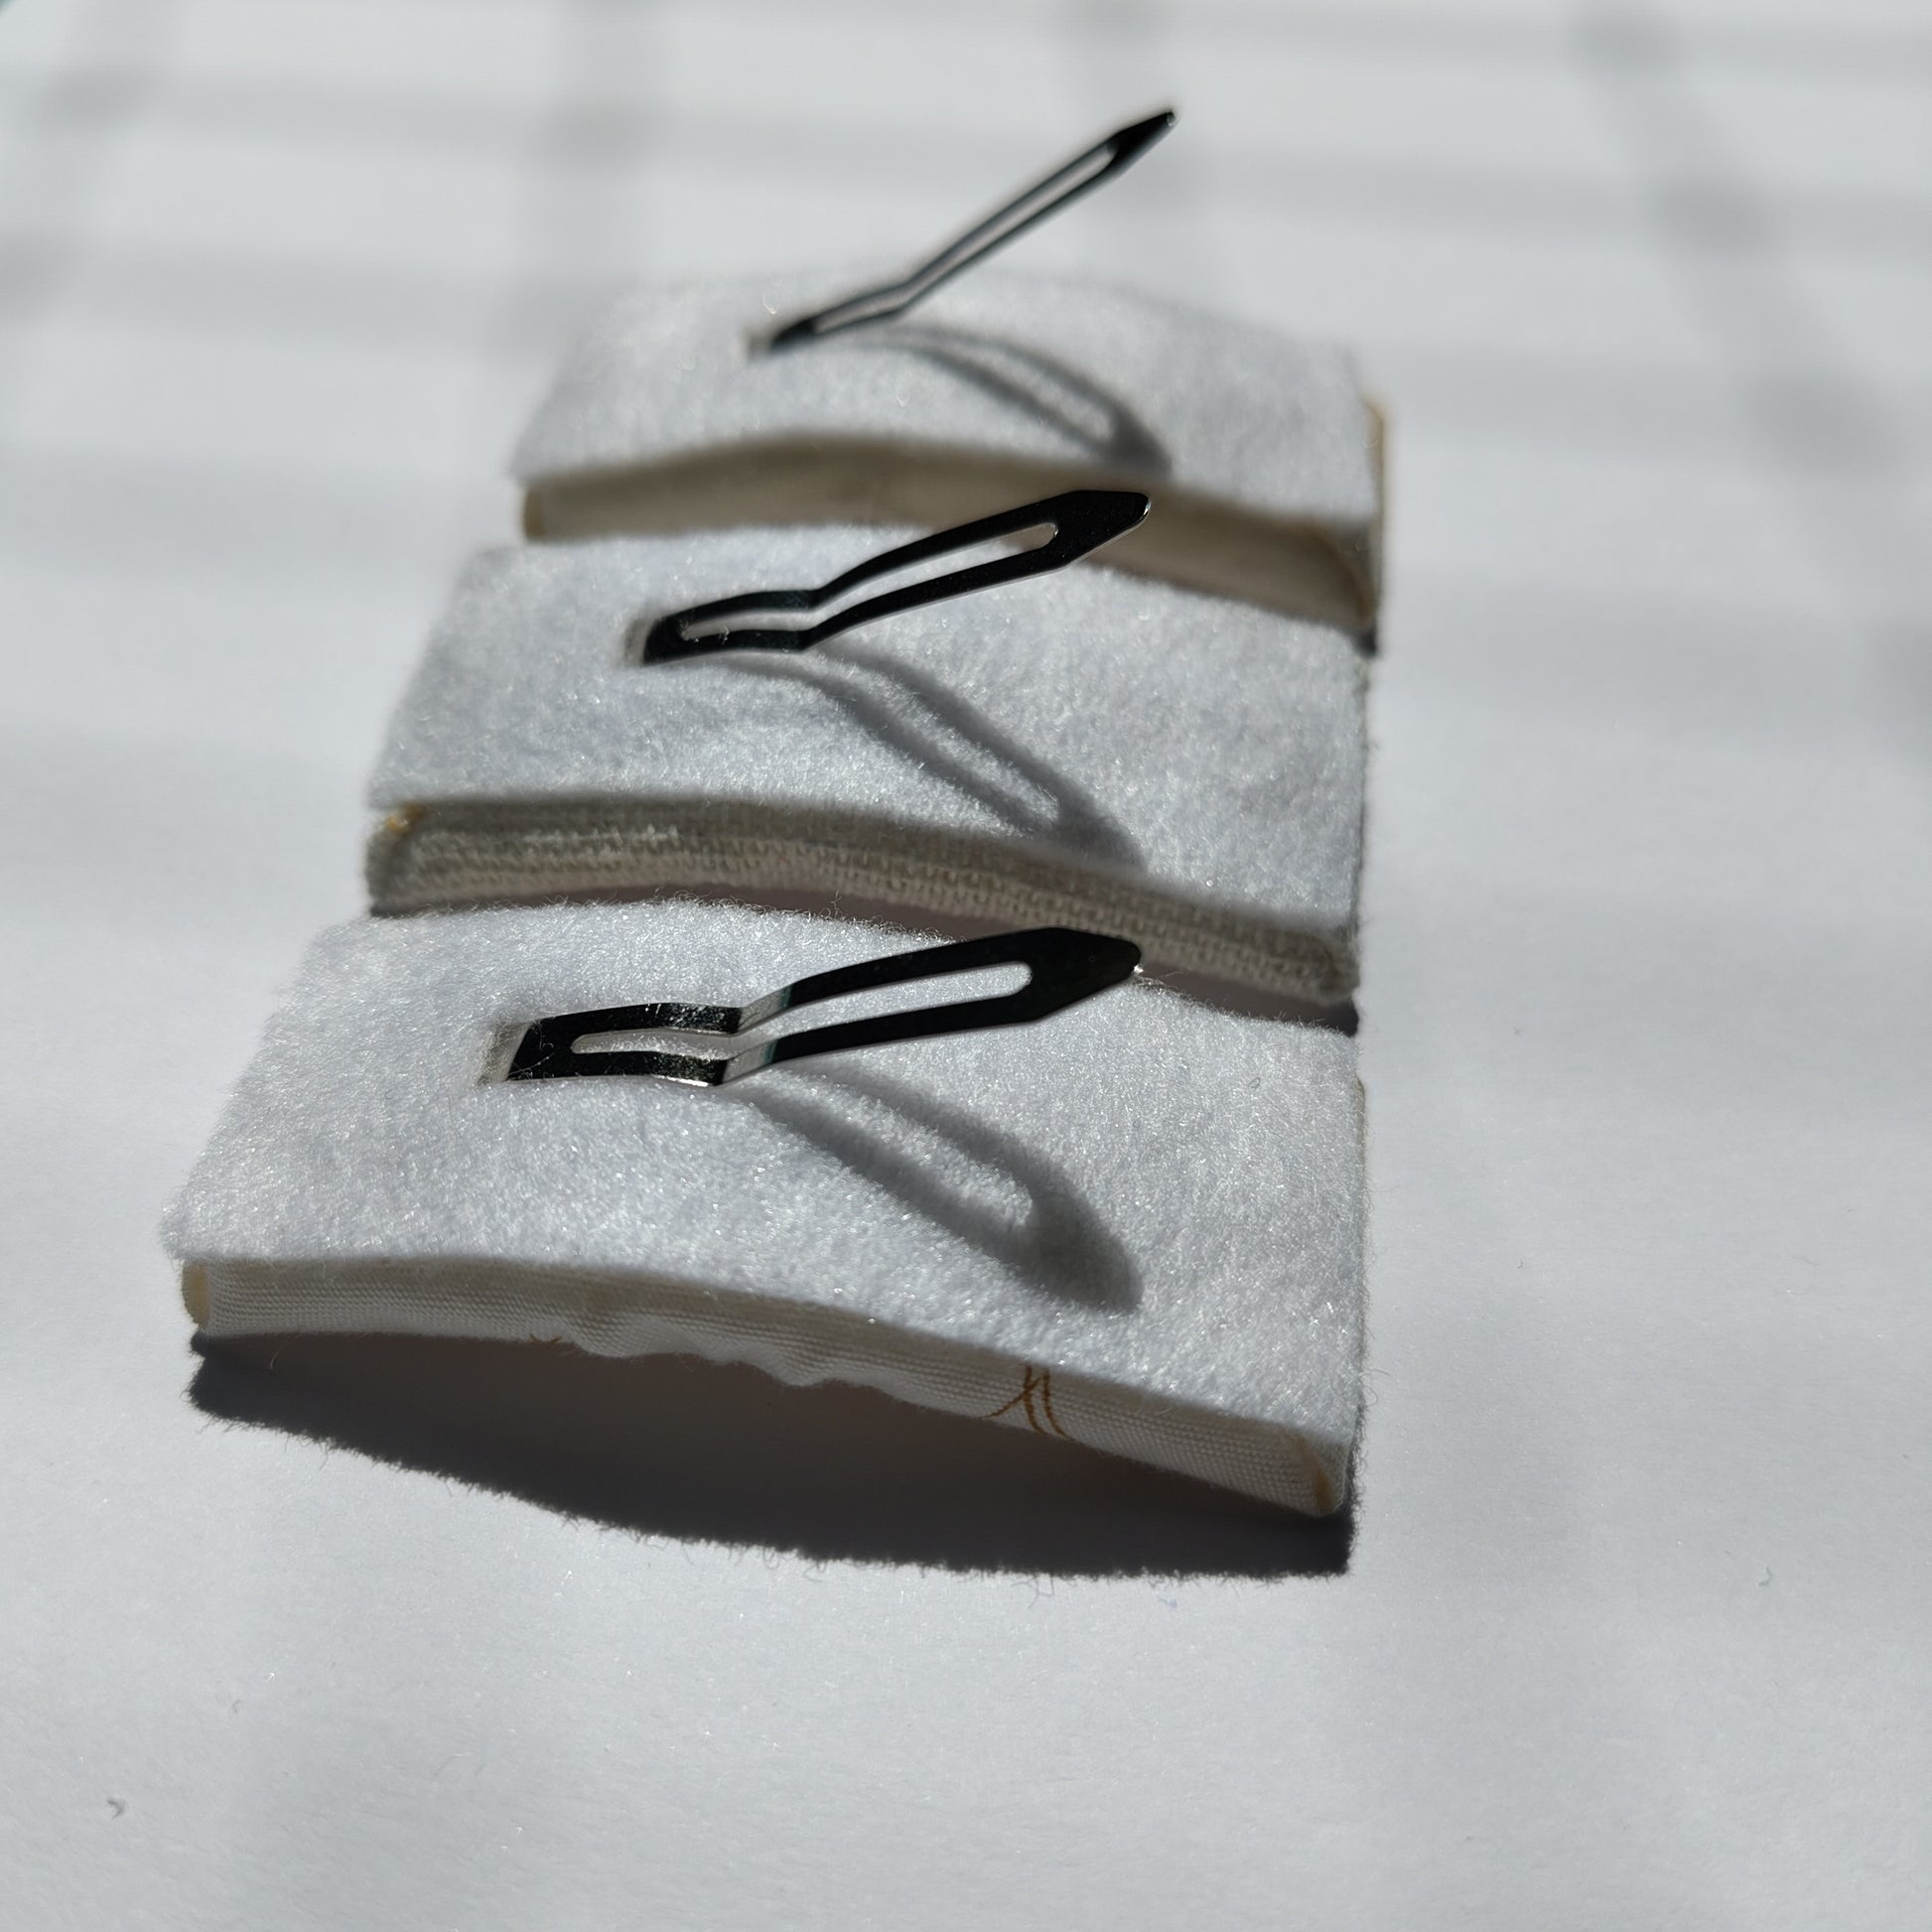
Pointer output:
x,y
1633,1626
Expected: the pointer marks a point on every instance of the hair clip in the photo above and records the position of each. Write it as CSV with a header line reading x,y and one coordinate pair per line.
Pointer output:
x,y
1081,521
1064,967
1138,1227
1067,182
1261,450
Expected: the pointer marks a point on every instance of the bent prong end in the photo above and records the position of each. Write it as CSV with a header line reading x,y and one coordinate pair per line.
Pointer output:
x,y
788,335
1131,140
663,640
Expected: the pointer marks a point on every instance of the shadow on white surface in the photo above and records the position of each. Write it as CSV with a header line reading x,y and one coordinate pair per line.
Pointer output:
x,y
668,1445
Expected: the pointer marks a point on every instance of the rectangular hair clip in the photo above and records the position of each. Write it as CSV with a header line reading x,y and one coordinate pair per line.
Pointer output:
x,y
1063,966
1082,750
795,400
948,1224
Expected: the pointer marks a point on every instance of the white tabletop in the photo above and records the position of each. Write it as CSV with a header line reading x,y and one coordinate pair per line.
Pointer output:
x,y
1629,1627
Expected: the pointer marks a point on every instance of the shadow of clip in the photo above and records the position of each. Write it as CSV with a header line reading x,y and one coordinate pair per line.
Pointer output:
x,y
1040,390
1057,1247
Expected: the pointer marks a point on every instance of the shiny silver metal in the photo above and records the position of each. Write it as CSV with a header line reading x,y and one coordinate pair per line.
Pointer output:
x,y
1067,182
1064,967
1081,521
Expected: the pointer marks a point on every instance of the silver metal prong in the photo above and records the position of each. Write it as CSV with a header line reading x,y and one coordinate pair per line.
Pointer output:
x,y
1067,182
1064,966
1081,521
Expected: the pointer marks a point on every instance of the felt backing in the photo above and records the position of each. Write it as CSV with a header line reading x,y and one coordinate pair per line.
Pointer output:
x,y
1261,454
1082,748
1137,1224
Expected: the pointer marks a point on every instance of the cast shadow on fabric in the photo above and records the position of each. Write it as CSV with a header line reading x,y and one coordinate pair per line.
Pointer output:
x,y
949,742
1057,1248
1098,426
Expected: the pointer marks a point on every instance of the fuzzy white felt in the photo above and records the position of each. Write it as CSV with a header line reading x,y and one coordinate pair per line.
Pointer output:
x,y
1082,748
1137,1224
1258,446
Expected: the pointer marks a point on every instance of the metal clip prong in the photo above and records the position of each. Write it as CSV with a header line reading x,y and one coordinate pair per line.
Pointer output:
x,y
1064,967
1081,521
1067,182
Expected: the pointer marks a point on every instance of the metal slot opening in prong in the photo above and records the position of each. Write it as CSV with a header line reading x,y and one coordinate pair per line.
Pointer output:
x,y
1063,967
1079,520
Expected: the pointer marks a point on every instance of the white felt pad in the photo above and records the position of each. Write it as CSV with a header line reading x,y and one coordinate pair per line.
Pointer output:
x,y
668,415
1137,1224
1082,748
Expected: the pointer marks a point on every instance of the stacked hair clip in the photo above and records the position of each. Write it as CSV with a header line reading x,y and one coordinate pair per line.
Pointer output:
x,y
1044,1189
685,408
